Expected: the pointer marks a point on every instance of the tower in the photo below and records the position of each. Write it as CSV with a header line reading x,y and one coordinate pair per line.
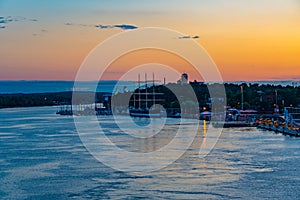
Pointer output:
x,y
184,78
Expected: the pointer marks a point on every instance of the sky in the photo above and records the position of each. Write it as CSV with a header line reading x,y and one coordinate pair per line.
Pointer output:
x,y
248,40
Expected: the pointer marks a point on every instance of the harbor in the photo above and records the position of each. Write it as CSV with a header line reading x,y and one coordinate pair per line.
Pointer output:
x,y
266,109
287,124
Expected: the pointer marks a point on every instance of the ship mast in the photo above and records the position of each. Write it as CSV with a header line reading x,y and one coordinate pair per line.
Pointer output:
x,y
139,84
146,91
153,90
134,99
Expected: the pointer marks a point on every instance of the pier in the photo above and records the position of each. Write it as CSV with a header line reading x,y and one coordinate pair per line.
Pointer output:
x,y
287,124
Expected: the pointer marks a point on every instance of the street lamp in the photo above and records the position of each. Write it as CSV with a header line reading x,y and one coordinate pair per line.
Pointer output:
x,y
242,91
276,92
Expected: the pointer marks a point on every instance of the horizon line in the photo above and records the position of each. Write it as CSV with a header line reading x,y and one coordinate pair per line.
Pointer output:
x,y
225,81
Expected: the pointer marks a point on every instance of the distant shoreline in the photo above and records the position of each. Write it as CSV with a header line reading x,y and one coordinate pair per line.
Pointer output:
x,y
257,97
18,100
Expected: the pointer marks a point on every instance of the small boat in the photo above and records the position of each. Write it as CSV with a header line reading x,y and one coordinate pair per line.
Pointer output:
x,y
144,112
206,115
176,115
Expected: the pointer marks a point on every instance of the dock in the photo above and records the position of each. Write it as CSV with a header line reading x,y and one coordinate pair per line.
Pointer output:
x,y
234,124
283,130
289,126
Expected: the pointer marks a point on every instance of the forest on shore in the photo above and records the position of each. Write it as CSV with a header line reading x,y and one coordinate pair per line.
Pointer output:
x,y
263,98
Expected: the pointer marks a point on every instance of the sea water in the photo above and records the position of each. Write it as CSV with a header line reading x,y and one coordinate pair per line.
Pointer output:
x,y
42,157
27,87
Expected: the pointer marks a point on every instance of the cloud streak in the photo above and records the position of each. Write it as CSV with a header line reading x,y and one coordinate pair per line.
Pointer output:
x,y
74,24
4,21
120,26
126,26
189,37
40,33
101,26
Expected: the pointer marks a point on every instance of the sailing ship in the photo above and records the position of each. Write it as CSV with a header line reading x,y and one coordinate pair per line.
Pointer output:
x,y
144,103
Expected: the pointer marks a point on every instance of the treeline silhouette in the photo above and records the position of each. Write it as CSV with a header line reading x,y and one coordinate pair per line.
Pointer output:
x,y
37,99
264,98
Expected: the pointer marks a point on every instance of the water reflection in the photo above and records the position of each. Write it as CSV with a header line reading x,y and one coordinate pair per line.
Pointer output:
x,y
43,157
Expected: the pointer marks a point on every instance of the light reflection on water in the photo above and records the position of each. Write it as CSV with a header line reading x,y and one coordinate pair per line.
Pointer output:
x,y
41,156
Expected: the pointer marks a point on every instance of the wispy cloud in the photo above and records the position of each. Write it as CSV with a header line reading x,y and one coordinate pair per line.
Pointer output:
x,y
69,24
75,24
101,26
125,26
189,37
4,21
33,20
40,33
120,26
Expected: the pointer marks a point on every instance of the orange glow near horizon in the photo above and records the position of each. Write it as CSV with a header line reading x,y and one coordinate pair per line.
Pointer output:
x,y
257,40
147,56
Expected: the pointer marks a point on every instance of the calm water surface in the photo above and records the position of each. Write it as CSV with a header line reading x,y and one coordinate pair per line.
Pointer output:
x,y
42,157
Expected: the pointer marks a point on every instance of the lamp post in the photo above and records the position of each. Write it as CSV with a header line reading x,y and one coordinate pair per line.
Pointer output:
x,y
242,91
276,100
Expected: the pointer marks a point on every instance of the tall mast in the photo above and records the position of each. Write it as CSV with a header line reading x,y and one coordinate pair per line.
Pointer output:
x,y
146,90
153,90
134,103
139,83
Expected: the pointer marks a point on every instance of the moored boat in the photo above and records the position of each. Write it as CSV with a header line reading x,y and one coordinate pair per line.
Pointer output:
x,y
149,98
